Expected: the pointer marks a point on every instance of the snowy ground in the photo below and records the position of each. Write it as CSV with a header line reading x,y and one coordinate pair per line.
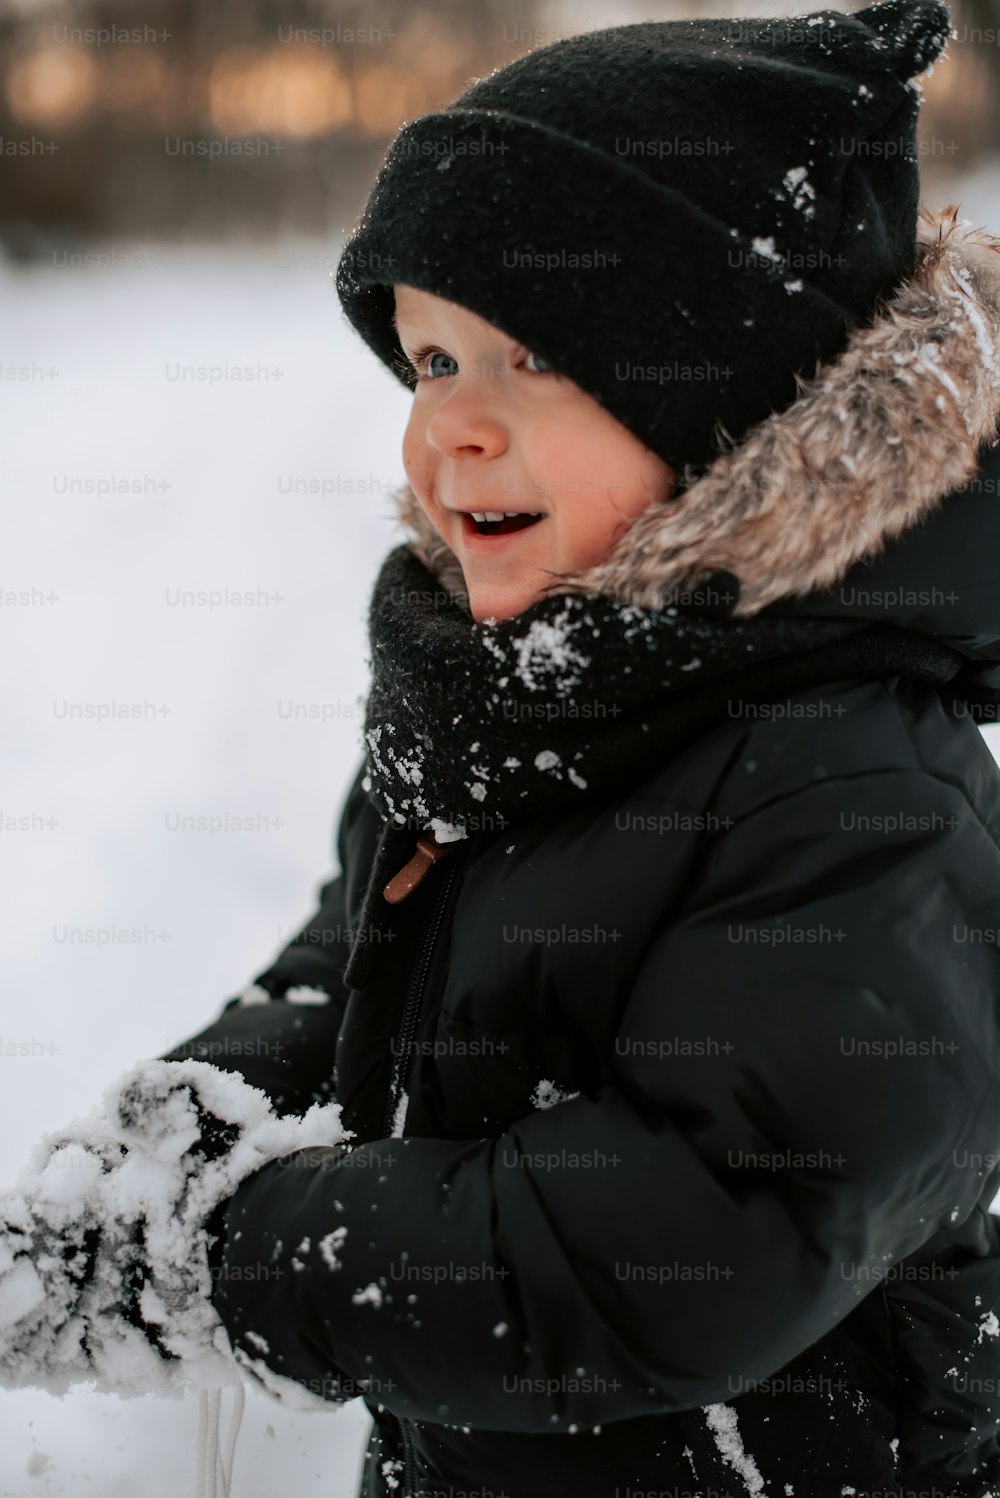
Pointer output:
x,y
103,855
218,469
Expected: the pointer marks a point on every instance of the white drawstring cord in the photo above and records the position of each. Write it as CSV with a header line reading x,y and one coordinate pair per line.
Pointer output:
x,y
235,1419
215,1470
208,1436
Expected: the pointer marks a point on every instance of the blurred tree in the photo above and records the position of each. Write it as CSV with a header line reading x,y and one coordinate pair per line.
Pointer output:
x,y
176,116
215,115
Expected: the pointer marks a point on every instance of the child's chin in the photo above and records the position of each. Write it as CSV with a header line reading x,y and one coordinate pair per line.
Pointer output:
x,y
499,603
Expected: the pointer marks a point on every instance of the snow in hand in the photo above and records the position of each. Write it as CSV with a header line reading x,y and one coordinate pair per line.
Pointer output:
x,y
104,1267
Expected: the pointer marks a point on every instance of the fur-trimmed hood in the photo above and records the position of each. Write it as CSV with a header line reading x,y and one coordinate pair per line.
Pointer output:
x,y
866,453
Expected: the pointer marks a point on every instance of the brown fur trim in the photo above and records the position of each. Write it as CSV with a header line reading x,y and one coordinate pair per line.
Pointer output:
x,y
869,447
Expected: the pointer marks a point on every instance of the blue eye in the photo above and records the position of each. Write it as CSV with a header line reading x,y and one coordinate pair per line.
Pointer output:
x,y
422,366
419,367
427,363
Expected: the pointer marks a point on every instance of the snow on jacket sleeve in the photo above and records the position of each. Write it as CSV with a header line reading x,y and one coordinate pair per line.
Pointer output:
x,y
280,1034
712,1212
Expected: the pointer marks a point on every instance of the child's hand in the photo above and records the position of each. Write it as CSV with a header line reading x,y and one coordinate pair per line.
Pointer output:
x,y
48,1244
105,1270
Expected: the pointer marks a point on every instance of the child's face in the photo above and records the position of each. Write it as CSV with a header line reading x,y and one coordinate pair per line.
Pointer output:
x,y
495,428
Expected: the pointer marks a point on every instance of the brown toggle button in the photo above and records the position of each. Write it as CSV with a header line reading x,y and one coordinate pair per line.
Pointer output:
x,y
405,882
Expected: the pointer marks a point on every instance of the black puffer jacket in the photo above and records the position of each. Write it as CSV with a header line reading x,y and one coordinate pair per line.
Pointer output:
x,y
699,1091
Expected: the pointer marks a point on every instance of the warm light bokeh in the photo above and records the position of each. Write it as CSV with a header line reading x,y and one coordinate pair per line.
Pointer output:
x,y
283,91
53,86
386,96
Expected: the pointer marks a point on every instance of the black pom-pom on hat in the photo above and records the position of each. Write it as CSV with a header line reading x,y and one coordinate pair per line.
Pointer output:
x,y
915,32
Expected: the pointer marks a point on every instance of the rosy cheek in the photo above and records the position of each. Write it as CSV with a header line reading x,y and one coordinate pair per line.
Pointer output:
x,y
411,452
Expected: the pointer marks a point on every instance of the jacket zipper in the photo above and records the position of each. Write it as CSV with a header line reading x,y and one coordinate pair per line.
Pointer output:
x,y
695,1421
411,1009
397,1081
409,1459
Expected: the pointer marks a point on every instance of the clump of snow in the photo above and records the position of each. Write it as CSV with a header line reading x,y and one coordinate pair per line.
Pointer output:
x,y
21,1292
392,1471
306,993
547,1094
409,769
69,1174
490,643
547,650
370,1295
254,994
801,191
446,832
328,1247
547,759
724,1425
373,738
766,248
399,1116
129,1161
638,620
989,1326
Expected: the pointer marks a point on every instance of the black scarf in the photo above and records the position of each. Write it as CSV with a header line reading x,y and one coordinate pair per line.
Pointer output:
x,y
470,726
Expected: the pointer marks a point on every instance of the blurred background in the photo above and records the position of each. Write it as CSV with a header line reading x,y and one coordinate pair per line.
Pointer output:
x,y
174,117
197,461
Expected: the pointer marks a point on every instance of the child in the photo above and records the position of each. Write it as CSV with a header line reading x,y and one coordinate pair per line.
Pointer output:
x,y
672,1094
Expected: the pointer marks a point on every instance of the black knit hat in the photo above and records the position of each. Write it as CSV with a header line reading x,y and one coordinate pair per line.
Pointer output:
x,y
678,215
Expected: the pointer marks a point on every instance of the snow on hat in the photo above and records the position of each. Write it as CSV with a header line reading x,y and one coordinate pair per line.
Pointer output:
x,y
680,216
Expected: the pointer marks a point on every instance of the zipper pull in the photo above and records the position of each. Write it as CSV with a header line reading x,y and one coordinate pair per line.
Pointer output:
x,y
405,882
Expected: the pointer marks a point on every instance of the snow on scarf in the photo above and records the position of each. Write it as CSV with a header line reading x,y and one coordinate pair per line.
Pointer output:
x,y
470,726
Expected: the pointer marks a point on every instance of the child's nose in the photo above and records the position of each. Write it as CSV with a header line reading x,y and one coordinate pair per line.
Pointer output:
x,y
467,425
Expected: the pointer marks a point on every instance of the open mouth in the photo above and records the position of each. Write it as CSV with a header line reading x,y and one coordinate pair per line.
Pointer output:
x,y
492,523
